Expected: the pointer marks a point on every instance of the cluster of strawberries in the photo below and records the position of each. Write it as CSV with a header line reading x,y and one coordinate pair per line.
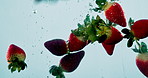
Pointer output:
x,y
94,29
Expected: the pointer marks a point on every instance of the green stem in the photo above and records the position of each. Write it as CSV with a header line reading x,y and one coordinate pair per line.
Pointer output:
x,y
139,46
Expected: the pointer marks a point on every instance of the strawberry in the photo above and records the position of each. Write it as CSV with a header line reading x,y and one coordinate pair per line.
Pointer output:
x,y
109,48
113,12
16,57
56,46
111,37
67,64
142,58
76,43
71,61
140,29
142,63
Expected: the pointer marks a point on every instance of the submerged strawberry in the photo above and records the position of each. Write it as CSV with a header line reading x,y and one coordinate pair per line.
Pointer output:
x,y
76,43
115,14
68,63
109,48
16,57
142,63
71,61
113,11
113,37
140,29
56,46
142,58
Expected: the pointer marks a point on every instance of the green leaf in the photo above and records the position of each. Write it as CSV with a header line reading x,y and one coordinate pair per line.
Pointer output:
x,y
126,36
13,69
135,49
130,22
96,9
130,42
125,31
143,47
55,71
9,66
87,20
101,3
91,33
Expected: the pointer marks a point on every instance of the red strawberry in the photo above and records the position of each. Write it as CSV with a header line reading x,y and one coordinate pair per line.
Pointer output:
x,y
115,14
140,29
16,57
113,11
76,43
109,48
142,58
142,63
113,37
71,61
67,64
56,46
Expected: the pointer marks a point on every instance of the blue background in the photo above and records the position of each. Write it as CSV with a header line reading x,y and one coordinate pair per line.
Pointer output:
x,y
28,25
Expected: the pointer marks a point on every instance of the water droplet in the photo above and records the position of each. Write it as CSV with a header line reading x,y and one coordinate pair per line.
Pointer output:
x,y
41,52
34,11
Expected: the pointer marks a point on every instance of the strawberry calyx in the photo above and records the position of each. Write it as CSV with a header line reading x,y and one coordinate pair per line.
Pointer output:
x,y
56,71
94,29
131,22
128,35
15,64
86,30
142,48
103,5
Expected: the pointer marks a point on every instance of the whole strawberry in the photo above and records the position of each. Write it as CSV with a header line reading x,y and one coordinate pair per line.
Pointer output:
x,y
76,43
142,58
140,29
71,61
68,63
113,11
113,36
16,57
56,46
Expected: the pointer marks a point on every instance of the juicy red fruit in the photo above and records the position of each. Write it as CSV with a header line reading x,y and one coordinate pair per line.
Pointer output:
x,y
13,51
115,14
115,36
71,61
56,46
16,57
142,63
76,43
140,29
